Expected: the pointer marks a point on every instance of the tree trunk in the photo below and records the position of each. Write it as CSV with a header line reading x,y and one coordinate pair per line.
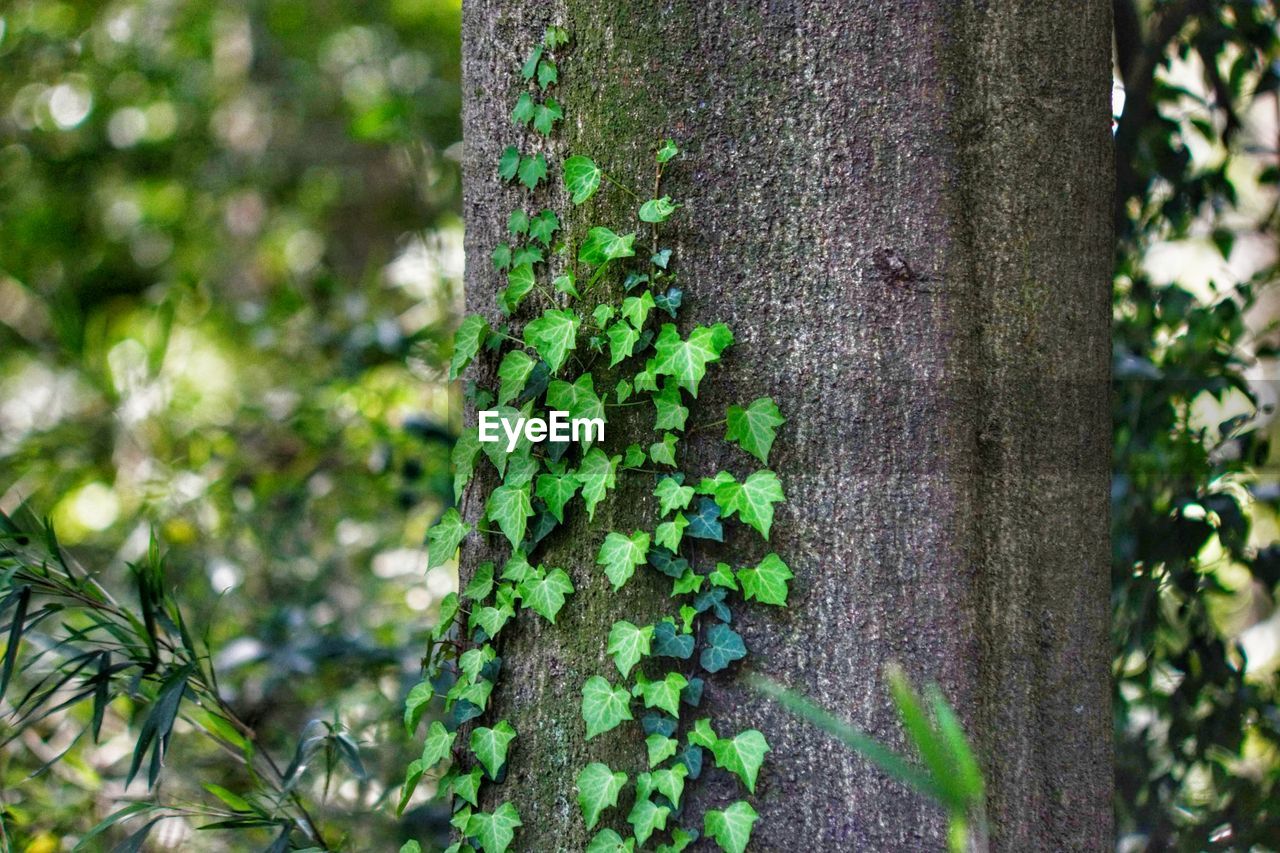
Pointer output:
x,y
903,211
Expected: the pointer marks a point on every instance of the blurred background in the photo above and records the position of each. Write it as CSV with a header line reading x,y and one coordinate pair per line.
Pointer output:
x,y
230,250
230,262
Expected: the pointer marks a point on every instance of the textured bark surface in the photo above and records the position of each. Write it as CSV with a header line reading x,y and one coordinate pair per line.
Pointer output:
x,y
903,211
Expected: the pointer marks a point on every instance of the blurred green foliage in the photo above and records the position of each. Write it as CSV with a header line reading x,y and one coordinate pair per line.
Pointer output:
x,y
230,256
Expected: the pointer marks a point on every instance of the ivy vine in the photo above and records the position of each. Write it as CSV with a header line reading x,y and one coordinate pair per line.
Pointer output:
x,y
540,483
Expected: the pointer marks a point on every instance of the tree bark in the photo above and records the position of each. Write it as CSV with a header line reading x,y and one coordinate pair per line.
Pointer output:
x,y
903,210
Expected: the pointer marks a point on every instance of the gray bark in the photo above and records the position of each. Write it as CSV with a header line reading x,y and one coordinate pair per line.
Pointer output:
x,y
903,211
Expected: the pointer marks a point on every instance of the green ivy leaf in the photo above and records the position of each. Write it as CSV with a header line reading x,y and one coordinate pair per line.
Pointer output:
x,y
608,841
754,427
604,706
731,828
664,693
669,643
444,537
522,113
438,745
669,782
553,335
620,554
669,534
622,391
667,150
448,611
724,646
672,495
509,163
635,457
513,373
566,283
646,818
492,619
603,314
555,37
518,220
510,507
702,734
657,209
687,360
496,831
598,474
636,308
473,661
481,583
767,582
722,575
660,748
545,115
672,413
603,245
544,226
490,746
742,755
517,568
622,342
577,398
557,490
463,459
412,776
753,500
526,255
547,73
466,343
664,452
530,66
501,257
628,644
546,594
598,789
532,170
689,582
581,178
467,786
520,283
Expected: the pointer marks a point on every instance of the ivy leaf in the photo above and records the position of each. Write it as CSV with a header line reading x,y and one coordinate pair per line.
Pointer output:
x,y
520,283
604,706
598,789
467,786
481,583
689,582
501,257
628,644
415,705
724,646
669,782
490,746
713,600
546,594
742,755
622,391
523,110
647,379
438,745
669,301
659,724
544,226
603,245
444,537
754,427
667,642
672,412
496,831
555,37
608,841
731,828
581,178
578,399
530,66
566,283
553,335
660,748
664,693
702,734
522,465
620,554
526,255
661,258
705,523
667,150
492,619
753,500
722,575
557,490
412,776
622,342
646,818
767,582
680,839
657,209
692,695
598,474
547,73
672,495
664,452
532,170
466,343
448,611
517,568
603,314
635,457
636,308
687,360
513,373
546,114
518,220
509,163
667,562
669,533
473,661
510,507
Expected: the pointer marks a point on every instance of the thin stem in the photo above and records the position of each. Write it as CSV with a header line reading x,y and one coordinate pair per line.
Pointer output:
x,y
620,186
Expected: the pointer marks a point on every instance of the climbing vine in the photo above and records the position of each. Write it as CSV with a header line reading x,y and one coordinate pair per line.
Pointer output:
x,y
659,669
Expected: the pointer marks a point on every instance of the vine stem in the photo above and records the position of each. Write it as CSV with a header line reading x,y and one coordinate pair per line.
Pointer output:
x,y
694,429
619,185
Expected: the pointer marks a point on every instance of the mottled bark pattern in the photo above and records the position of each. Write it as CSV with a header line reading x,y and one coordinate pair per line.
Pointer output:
x,y
902,209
